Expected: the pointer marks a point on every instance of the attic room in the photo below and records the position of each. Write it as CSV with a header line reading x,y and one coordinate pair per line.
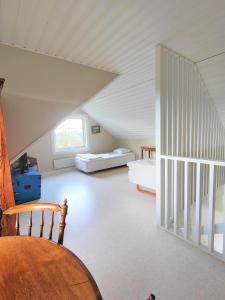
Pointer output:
x,y
112,153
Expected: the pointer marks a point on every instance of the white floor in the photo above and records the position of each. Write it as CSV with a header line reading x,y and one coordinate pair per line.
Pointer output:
x,y
112,228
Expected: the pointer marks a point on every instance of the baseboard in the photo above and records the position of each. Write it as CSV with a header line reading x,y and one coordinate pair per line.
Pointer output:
x,y
58,171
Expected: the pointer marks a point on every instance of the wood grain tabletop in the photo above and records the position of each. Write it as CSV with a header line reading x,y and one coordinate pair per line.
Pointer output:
x,y
34,268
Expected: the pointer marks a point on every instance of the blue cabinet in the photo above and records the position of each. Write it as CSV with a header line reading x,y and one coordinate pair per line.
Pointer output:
x,y
26,186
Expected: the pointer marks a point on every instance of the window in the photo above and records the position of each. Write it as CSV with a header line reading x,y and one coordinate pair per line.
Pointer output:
x,y
71,135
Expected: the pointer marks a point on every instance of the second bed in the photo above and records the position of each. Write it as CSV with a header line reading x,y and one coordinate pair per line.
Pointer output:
x,y
89,163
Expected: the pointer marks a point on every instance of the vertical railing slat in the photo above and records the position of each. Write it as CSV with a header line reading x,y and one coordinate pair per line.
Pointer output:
x,y
175,198
211,210
160,134
162,192
189,127
223,251
167,193
186,199
198,204
167,106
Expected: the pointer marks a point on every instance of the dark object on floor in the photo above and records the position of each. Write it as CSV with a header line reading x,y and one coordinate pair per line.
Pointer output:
x,y
151,297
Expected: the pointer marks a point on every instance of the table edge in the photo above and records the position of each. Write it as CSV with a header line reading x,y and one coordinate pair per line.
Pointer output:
x,y
90,277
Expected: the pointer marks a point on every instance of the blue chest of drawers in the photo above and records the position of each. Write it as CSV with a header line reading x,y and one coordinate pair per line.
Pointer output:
x,y
26,186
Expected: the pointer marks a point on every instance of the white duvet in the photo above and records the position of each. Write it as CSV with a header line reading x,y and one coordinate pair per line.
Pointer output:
x,y
94,162
90,156
143,172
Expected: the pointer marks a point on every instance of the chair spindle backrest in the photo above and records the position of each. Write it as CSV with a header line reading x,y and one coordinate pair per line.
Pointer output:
x,y
51,226
42,223
39,207
62,224
30,225
17,224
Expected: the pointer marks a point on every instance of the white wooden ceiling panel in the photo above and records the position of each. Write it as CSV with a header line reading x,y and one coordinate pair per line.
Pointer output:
x,y
203,38
56,19
102,28
75,47
25,22
8,15
42,16
19,28
71,28
120,36
124,113
213,72
122,83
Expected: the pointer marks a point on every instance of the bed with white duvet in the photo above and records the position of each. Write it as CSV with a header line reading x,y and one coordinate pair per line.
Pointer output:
x,y
143,173
89,162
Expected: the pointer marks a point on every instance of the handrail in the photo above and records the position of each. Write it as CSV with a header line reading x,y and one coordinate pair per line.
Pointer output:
x,y
194,160
180,185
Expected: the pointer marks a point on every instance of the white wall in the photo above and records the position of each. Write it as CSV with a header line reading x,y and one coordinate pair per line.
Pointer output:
x,y
40,91
98,143
42,148
135,145
27,119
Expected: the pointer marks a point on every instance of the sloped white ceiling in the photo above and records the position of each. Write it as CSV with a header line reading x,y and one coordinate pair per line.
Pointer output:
x,y
118,36
127,112
213,72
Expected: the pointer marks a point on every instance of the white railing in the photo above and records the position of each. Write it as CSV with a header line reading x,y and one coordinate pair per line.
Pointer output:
x,y
192,201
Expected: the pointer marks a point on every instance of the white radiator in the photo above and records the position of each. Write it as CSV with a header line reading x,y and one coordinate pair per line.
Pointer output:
x,y
65,162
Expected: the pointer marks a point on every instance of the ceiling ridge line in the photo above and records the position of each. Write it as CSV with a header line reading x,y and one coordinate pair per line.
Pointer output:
x,y
121,91
56,57
30,97
210,57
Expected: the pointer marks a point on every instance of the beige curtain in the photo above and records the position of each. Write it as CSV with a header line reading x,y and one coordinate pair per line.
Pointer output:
x,y
6,189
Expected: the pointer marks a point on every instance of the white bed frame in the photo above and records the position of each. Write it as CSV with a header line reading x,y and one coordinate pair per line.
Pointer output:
x,y
89,166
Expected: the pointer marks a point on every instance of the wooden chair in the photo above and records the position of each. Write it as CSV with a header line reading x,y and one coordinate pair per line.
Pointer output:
x,y
149,149
23,208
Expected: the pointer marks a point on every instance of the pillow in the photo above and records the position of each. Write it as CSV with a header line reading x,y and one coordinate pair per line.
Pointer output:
x,y
121,150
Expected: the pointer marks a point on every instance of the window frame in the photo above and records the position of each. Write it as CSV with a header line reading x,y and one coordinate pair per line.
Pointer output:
x,y
74,150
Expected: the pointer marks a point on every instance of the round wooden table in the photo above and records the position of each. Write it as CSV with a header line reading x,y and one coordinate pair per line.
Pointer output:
x,y
34,268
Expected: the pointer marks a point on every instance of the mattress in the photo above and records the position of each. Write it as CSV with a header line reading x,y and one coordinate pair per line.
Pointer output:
x,y
143,172
96,162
